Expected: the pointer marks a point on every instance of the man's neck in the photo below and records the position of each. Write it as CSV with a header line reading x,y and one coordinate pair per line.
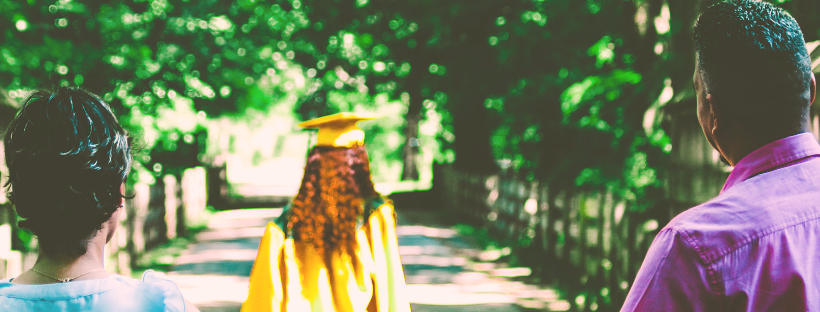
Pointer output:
x,y
744,144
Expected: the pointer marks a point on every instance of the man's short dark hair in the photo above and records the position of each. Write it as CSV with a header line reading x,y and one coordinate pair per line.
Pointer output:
x,y
67,157
752,56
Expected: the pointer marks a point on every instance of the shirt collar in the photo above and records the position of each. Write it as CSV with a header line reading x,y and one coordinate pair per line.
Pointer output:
x,y
772,156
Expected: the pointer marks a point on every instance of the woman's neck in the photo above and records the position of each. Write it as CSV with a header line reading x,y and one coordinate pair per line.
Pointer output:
x,y
56,262
51,266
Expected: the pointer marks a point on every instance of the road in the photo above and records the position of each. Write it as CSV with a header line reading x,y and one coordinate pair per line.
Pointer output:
x,y
443,269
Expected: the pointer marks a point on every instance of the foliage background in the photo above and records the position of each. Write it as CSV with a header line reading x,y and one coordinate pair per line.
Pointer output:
x,y
558,90
561,91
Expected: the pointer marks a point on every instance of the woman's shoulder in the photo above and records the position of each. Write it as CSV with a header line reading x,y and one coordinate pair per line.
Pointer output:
x,y
152,293
168,290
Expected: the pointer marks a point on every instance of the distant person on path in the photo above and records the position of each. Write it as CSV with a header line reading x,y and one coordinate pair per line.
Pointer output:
x,y
335,247
67,158
756,246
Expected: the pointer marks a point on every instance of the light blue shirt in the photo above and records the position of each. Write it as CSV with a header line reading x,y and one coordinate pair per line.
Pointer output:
x,y
113,293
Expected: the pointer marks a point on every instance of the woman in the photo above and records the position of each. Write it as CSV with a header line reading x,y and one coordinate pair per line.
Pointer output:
x,y
334,248
67,158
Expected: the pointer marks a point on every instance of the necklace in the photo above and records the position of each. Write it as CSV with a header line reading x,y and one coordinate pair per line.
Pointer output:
x,y
66,280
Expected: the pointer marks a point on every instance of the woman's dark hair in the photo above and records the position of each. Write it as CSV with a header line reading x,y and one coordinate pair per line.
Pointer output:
x,y
752,55
331,198
67,158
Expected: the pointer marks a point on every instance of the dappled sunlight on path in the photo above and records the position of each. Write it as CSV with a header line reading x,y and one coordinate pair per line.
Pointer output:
x,y
444,273
443,269
213,273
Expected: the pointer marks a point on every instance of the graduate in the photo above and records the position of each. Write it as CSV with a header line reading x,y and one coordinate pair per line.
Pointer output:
x,y
334,248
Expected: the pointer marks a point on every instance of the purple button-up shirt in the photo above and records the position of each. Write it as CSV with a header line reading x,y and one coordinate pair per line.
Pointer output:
x,y
755,247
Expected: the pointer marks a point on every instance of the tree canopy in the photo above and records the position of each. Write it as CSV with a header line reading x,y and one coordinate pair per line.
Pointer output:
x,y
568,91
565,92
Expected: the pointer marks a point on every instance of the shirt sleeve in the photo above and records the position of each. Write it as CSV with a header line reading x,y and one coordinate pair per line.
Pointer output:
x,y
172,296
671,278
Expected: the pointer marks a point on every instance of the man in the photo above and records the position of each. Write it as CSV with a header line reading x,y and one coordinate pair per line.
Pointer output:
x,y
755,247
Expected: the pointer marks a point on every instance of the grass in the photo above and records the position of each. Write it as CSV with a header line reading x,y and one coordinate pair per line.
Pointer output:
x,y
502,249
480,235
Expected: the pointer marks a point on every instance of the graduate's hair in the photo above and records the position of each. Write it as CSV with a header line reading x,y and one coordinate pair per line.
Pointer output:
x,y
331,198
752,56
67,157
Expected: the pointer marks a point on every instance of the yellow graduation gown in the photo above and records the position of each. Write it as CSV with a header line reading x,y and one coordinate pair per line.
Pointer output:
x,y
291,276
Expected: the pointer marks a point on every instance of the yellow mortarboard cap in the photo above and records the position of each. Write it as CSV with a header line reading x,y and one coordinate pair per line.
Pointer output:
x,y
339,129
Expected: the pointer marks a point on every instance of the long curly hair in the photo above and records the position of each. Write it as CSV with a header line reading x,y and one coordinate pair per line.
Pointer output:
x,y
331,198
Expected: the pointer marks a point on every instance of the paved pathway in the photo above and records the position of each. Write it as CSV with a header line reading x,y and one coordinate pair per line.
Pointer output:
x,y
443,269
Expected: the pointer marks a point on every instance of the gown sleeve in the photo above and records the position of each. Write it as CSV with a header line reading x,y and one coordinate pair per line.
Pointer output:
x,y
290,275
265,291
390,287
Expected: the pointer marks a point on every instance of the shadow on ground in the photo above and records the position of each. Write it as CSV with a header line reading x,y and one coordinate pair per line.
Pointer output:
x,y
220,307
442,269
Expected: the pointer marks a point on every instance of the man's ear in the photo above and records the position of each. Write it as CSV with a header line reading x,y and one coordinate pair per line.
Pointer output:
x,y
716,114
813,89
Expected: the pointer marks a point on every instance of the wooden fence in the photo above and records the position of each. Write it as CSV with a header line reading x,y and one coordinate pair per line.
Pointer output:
x,y
157,213
10,260
588,241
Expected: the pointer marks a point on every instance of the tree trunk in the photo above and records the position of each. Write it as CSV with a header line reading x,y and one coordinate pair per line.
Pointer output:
x,y
472,143
682,62
410,151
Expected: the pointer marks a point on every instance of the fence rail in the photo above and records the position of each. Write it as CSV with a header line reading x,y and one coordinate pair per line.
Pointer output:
x,y
589,241
155,214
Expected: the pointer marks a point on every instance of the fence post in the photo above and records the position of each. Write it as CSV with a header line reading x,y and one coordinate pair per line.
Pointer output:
x,y
171,205
155,227
194,194
217,185
116,252
10,260
137,210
